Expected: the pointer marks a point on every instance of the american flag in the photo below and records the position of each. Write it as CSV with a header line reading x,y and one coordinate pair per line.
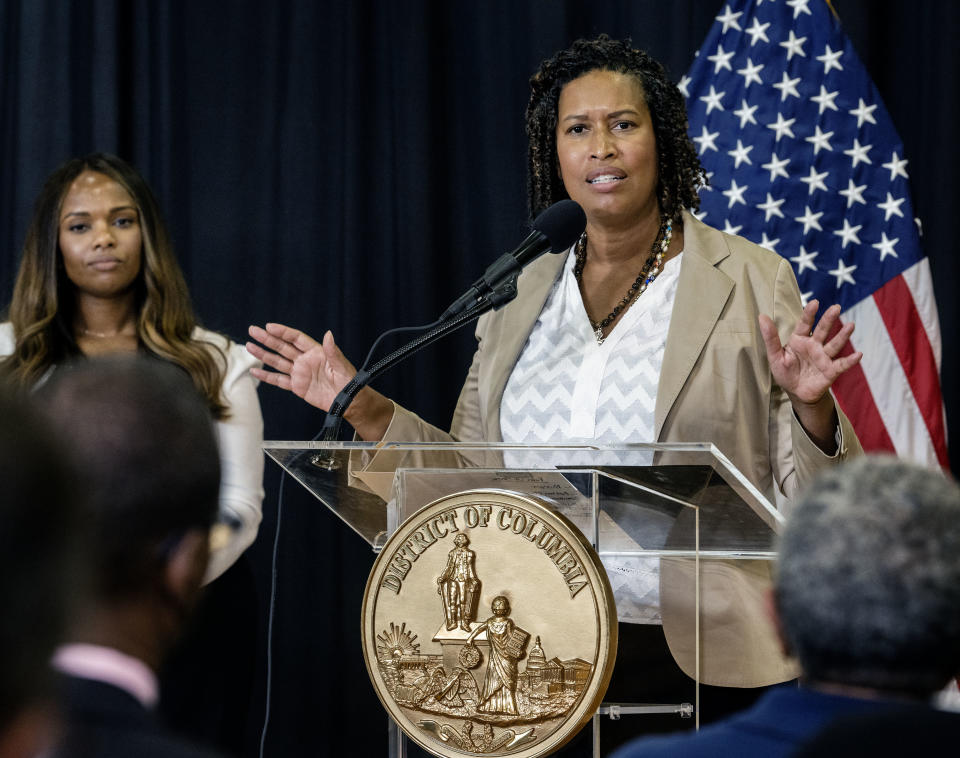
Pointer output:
x,y
803,159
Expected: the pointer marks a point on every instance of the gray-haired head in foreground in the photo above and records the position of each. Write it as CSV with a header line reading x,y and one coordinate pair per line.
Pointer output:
x,y
868,584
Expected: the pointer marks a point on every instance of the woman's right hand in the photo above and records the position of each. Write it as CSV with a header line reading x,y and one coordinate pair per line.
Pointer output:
x,y
317,372
311,370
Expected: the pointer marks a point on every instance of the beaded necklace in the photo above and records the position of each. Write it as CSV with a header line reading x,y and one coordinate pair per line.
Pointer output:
x,y
649,272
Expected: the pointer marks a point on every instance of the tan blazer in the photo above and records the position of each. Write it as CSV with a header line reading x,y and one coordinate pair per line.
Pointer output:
x,y
715,386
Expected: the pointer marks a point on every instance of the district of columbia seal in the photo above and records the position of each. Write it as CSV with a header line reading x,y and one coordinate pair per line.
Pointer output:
x,y
489,626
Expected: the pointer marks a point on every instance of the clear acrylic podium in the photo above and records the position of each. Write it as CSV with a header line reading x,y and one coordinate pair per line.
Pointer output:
x,y
672,507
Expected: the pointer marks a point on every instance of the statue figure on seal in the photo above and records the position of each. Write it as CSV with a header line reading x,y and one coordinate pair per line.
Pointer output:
x,y
458,585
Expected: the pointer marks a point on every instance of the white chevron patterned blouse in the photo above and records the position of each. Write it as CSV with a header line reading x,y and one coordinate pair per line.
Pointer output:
x,y
565,388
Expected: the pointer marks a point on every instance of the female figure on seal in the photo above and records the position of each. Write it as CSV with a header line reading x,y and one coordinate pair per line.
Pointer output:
x,y
506,648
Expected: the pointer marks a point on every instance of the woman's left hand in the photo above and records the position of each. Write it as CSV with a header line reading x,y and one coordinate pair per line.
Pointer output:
x,y
808,364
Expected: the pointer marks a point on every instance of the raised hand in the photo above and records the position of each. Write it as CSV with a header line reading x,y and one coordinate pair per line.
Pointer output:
x,y
316,372
808,365
312,370
810,362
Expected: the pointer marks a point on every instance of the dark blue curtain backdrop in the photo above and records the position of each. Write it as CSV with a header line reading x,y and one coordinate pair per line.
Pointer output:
x,y
354,166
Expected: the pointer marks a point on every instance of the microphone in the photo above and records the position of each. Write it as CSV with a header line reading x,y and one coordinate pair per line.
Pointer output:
x,y
555,229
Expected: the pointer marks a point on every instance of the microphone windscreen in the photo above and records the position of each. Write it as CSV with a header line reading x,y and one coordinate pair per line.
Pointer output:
x,y
562,223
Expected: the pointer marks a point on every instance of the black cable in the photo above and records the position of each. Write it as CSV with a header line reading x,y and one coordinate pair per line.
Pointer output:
x,y
395,330
272,613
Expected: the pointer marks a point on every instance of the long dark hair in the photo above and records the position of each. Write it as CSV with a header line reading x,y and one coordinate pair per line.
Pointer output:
x,y
42,307
680,174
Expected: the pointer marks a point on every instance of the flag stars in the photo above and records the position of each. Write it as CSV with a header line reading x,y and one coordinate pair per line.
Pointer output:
x,y
820,140
843,273
758,31
707,140
805,260
794,45
771,207
815,181
776,167
863,112
815,106
896,166
729,19
740,154
713,99
810,220
769,244
782,126
858,153
848,234
735,194
750,73
745,114
799,6
885,246
830,59
787,86
721,59
825,100
853,193
891,207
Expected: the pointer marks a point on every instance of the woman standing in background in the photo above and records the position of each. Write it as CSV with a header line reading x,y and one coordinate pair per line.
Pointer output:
x,y
98,276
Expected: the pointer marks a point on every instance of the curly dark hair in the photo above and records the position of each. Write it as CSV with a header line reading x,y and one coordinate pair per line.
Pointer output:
x,y
680,174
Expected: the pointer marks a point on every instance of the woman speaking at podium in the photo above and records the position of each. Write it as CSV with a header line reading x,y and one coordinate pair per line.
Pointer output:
x,y
705,330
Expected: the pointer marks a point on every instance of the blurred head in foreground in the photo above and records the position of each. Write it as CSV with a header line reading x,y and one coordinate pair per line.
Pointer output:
x,y
143,441
38,568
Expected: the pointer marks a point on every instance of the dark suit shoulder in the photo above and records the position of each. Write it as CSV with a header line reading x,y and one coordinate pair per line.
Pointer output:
x,y
103,721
